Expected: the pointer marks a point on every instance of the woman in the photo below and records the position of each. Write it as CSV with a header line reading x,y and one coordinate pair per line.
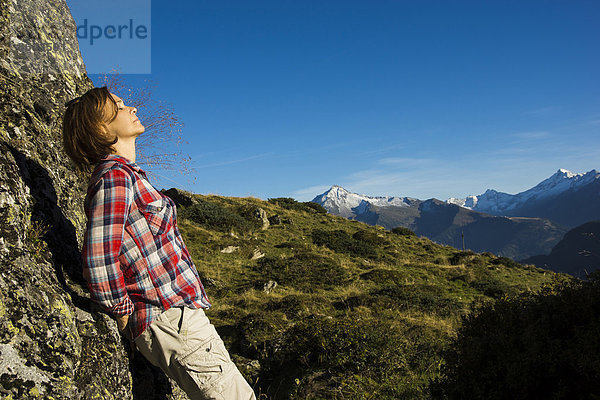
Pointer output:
x,y
134,258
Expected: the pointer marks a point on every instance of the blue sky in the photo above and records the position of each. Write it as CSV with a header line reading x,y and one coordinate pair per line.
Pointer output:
x,y
406,98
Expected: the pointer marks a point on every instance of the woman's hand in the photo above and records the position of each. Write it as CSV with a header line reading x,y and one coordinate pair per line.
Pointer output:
x,y
122,325
122,322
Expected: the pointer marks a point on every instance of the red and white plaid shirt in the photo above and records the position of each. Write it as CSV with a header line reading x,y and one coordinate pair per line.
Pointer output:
x,y
134,258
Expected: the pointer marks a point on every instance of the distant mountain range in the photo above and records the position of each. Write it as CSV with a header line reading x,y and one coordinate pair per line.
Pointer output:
x,y
516,226
565,198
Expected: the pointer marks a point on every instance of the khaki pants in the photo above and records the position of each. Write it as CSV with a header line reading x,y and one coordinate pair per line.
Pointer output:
x,y
187,347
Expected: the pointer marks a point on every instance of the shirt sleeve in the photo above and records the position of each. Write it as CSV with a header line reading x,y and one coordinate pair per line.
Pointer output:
x,y
108,208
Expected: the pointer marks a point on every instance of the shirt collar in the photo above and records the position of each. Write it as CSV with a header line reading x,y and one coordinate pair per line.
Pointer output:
x,y
124,160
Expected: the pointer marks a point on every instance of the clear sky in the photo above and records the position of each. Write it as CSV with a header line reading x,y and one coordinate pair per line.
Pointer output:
x,y
405,98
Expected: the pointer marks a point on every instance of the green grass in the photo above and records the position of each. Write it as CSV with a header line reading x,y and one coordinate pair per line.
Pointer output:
x,y
359,312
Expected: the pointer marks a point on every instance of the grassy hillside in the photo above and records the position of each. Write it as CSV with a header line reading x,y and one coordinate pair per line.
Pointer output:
x,y
318,306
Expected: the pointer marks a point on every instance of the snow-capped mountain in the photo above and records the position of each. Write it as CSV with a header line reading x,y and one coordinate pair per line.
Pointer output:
x,y
339,201
446,223
513,225
566,197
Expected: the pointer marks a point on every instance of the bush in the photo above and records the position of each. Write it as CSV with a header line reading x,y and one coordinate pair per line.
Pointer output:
x,y
254,330
369,237
315,206
491,287
340,241
349,358
215,216
402,231
418,297
506,262
387,277
294,305
343,344
304,271
462,257
291,204
535,346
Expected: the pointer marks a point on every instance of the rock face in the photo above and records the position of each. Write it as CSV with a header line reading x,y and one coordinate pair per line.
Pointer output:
x,y
54,342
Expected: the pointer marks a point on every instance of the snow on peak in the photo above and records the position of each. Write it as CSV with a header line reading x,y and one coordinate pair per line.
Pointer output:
x,y
347,203
498,202
566,173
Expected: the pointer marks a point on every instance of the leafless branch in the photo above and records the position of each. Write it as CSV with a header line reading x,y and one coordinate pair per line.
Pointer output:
x,y
163,127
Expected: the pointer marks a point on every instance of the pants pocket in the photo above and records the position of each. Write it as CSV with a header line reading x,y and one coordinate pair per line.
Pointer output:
x,y
207,364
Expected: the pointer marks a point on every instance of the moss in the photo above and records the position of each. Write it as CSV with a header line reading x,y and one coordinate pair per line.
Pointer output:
x,y
12,329
34,392
2,308
62,308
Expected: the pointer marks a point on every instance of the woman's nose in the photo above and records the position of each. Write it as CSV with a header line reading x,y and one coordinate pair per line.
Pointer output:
x,y
134,110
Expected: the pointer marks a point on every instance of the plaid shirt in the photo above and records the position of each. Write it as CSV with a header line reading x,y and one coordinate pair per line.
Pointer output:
x,y
134,258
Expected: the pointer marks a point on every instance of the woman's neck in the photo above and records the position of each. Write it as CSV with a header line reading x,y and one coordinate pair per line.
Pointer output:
x,y
125,149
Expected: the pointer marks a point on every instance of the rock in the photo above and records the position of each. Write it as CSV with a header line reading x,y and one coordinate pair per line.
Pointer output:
x,y
257,254
262,215
181,197
269,286
275,219
12,365
230,249
212,282
83,316
250,368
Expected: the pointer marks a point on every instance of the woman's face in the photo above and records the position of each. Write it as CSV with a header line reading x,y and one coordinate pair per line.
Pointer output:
x,y
126,125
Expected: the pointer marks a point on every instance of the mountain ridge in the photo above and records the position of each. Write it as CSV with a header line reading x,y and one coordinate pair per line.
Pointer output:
x,y
519,226
577,253
560,191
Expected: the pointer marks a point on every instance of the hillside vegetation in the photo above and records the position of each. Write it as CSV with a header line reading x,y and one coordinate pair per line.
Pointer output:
x,y
316,306
530,346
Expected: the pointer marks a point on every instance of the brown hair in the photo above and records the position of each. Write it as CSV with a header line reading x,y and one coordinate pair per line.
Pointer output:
x,y
85,134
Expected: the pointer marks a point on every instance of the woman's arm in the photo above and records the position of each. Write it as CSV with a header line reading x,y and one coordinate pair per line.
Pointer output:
x,y
108,208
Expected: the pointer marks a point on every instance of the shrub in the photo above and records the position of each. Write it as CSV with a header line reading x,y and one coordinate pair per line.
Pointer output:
x,y
386,276
315,206
506,261
491,287
487,283
369,237
340,241
294,305
419,297
542,346
304,271
341,344
291,204
462,257
325,358
402,231
254,330
215,216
